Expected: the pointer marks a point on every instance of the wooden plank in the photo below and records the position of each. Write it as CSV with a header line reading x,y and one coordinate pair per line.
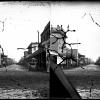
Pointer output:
x,y
60,87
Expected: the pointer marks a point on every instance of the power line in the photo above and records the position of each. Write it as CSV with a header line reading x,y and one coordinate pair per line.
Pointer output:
x,y
84,15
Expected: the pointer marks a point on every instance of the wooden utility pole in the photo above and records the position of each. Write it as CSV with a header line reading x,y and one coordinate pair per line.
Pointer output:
x,y
38,37
77,53
59,82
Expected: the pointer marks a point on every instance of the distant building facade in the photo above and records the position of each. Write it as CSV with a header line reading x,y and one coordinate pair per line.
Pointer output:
x,y
33,46
2,56
37,51
81,59
25,54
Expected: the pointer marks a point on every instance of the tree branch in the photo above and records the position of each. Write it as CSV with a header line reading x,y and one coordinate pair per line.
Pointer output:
x,y
94,21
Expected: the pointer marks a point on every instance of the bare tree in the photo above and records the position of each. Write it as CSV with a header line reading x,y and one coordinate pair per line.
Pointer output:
x,y
91,19
55,68
63,37
3,24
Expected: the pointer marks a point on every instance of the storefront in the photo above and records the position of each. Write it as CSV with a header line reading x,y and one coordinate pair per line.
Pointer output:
x,y
39,59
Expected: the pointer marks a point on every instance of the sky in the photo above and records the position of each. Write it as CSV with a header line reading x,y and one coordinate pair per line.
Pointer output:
x,y
22,20
81,16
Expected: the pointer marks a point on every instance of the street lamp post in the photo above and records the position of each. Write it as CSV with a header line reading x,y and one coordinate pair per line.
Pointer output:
x,y
77,54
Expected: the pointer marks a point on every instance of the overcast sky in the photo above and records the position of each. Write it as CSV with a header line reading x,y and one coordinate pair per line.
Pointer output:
x,y
23,19
82,17
21,22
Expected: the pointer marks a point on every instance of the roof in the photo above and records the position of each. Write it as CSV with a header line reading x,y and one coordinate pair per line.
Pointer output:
x,y
30,45
36,53
46,27
80,55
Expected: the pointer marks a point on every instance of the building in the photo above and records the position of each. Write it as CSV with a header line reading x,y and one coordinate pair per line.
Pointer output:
x,y
33,46
30,60
45,35
81,59
2,56
25,54
37,51
72,58
86,61
45,42
41,54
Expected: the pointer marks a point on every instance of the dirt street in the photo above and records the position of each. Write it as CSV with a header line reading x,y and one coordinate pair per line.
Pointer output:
x,y
17,82
86,80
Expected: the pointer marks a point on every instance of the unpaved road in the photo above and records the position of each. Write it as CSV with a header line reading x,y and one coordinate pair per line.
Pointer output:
x,y
86,80
17,82
14,67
